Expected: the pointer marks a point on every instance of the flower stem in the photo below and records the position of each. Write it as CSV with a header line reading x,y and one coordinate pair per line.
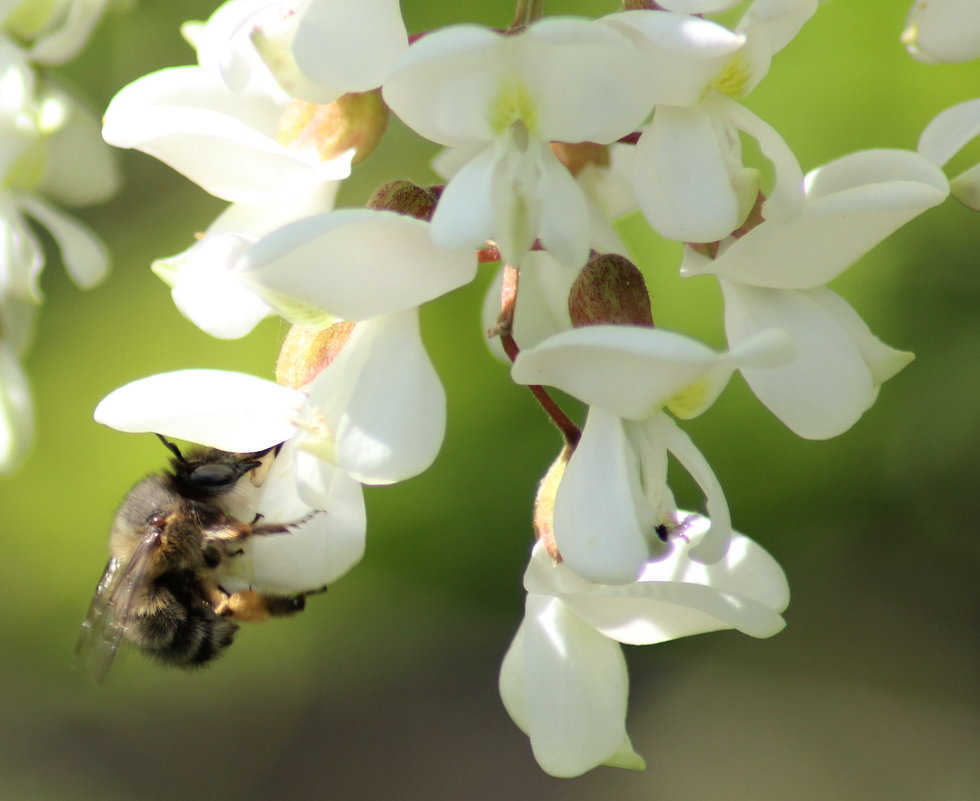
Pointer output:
x,y
570,432
526,12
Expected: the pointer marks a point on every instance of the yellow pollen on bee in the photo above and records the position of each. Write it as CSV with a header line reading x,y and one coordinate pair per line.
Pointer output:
x,y
513,103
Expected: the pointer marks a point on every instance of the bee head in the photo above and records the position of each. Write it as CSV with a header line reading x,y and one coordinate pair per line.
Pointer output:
x,y
208,471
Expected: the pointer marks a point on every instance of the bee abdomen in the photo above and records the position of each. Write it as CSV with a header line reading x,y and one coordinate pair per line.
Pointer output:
x,y
178,625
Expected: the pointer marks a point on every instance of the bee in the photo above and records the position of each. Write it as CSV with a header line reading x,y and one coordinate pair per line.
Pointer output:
x,y
169,535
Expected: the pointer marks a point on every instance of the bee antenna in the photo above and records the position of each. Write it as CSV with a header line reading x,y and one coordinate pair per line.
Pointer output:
x,y
172,448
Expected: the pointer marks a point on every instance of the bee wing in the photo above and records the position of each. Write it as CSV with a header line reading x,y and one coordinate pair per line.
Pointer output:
x,y
111,609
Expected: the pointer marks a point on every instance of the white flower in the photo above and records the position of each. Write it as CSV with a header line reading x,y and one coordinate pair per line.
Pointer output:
x,y
943,31
16,411
206,278
688,172
613,494
564,680
378,410
505,98
57,30
217,124
945,136
773,277
320,49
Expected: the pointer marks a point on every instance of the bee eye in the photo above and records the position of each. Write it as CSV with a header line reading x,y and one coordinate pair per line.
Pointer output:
x,y
214,475
156,520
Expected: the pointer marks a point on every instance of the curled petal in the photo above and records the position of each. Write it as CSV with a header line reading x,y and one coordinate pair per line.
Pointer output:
x,y
628,370
566,685
676,595
225,410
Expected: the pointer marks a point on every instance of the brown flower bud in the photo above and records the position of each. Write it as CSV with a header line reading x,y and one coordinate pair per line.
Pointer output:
x,y
307,350
610,290
355,120
404,197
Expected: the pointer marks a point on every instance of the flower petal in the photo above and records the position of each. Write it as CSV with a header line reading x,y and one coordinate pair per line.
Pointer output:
x,y
357,263
601,519
950,131
576,689
828,386
383,400
16,412
86,259
224,410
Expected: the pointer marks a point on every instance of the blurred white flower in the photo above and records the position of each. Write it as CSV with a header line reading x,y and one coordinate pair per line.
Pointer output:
x,y
943,31
564,680
55,30
945,135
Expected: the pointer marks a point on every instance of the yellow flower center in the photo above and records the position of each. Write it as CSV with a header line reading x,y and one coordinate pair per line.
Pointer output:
x,y
513,103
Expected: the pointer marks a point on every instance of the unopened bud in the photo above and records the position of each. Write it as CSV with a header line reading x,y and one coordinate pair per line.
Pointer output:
x,y
404,197
576,157
354,121
307,350
544,503
610,290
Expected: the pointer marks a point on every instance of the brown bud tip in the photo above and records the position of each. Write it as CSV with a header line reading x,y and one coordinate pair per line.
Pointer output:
x,y
576,157
404,197
544,503
307,350
354,121
610,290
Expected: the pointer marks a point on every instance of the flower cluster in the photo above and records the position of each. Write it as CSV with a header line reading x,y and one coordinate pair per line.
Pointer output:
x,y
50,154
553,129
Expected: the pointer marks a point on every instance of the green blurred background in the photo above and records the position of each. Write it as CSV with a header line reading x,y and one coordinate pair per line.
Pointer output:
x,y
386,686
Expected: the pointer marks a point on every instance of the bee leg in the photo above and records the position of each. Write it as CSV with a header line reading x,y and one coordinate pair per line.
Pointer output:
x,y
282,528
254,607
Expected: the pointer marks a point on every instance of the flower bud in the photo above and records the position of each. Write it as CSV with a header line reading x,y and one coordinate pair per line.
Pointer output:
x,y
307,350
404,197
355,121
610,290
544,503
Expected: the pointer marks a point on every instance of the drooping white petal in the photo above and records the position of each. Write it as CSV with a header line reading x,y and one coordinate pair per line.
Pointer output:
x,y
949,132
85,258
852,204
225,410
828,386
769,25
943,31
566,685
357,263
601,519
965,187
676,596
383,401
467,212
631,371
350,46
715,541
16,412
683,177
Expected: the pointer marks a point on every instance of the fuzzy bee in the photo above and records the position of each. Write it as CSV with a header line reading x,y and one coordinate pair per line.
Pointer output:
x,y
170,534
